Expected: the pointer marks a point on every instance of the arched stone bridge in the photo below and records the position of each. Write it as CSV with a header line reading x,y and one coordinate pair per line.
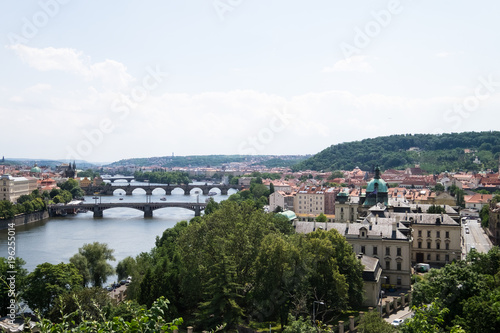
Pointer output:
x,y
147,207
205,189
113,178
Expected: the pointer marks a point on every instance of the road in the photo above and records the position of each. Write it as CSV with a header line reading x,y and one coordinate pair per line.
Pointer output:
x,y
475,237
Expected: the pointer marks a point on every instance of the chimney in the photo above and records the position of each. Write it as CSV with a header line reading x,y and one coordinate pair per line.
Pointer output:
x,y
314,227
442,217
376,219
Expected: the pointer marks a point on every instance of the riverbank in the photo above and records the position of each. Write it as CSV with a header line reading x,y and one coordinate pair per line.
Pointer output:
x,y
23,219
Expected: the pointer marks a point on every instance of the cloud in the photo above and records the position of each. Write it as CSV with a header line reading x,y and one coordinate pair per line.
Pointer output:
x,y
351,64
111,73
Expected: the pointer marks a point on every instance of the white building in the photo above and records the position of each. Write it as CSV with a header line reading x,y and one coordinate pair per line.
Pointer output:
x,y
11,188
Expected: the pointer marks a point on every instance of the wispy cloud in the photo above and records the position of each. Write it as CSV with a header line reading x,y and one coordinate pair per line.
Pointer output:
x,y
351,64
110,72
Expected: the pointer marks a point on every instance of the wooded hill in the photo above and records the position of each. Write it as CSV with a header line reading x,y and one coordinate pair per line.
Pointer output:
x,y
435,153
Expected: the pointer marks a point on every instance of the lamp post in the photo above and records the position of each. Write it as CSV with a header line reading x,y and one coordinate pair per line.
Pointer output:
x,y
314,312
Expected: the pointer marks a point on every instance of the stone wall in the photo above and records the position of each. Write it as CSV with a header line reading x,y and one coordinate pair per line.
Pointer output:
x,y
24,219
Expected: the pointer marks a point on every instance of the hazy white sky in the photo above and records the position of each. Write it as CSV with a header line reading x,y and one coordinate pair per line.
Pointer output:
x,y
106,80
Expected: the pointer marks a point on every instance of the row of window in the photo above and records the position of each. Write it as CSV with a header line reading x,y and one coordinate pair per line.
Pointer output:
x,y
388,265
438,245
438,257
438,234
375,250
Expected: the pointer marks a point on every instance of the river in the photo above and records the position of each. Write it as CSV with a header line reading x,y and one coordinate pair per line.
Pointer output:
x,y
125,230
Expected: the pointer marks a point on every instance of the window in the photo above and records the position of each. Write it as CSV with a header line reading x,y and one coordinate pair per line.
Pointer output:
x,y
387,251
428,245
438,245
438,234
387,265
388,279
447,257
428,257
437,257
399,280
429,233
419,245
363,249
420,233
398,251
375,250
398,266
362,235
447,246
447,234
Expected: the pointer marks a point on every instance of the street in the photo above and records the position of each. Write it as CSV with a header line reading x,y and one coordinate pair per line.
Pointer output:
x,y
474,236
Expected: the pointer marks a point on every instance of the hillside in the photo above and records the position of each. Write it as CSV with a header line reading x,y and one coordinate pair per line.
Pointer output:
x,y
211,160
434,153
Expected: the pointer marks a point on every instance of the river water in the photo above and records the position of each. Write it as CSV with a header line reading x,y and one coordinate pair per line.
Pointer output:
x,y
125,230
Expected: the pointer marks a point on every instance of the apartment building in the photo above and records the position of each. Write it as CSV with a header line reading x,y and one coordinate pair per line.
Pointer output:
x,y
11,188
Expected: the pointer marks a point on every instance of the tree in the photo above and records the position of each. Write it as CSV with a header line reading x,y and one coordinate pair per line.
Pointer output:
x,y
91,261
211,207
20,279
125,267
426,319
321,218
47,282
373,323
271,188
438,187
484,214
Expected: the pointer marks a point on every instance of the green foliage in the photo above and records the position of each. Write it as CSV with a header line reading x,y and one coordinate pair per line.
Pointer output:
x,y
438,153
20,280
299,325
436,209
211,207
321,218
88,301
47,282
91,261
426,319
151,320
25,204
373,323
484,214
240,264
164,177
125,268
460,292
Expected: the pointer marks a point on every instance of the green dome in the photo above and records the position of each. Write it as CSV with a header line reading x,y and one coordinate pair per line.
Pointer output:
x,y
36,169
381,184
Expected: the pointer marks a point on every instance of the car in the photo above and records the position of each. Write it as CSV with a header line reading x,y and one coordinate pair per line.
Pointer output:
x,y
109,288
396,322
122,282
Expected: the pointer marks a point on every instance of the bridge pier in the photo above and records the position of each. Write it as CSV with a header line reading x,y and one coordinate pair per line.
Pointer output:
x,y
97,212
148,212
197,211
206,191
223,191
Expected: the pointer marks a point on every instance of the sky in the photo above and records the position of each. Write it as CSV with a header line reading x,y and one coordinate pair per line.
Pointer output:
x,y
108,80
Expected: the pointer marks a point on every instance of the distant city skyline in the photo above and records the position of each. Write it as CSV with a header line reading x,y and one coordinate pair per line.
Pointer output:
x,y
108,81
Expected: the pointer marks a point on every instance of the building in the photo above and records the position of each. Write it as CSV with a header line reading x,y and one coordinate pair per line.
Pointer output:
x,y
436,237
11,188
346,207
310,200
376,191
377,238
494,223
372,273
477,201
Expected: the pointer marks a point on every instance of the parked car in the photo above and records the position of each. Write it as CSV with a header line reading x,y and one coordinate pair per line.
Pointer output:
x,y
396,322
109,288
422,268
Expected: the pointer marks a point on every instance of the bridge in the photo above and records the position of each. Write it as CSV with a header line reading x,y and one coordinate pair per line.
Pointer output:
x,y
147,207
117,177
149,188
